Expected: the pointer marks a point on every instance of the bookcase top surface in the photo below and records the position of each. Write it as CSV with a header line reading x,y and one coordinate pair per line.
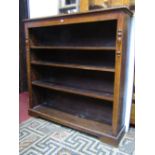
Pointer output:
x,y
124,9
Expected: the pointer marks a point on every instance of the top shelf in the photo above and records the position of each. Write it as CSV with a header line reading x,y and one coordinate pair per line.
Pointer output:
x,y
110,48
86,36
125,9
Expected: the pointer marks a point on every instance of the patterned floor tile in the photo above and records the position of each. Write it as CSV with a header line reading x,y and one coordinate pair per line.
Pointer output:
x,y
40,137
127,146
27,142
131,133
59,135
66,152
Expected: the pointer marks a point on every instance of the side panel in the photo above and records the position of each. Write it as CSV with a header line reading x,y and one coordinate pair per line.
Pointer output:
x,y
120,59
27,43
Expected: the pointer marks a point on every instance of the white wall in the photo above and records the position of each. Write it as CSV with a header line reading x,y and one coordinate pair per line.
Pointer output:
x,y
43,8
129,73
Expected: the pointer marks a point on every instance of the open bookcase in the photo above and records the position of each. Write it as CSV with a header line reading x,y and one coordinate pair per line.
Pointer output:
x,y
76,66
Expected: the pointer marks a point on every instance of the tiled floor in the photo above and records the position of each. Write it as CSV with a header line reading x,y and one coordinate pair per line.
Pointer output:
x,y
40,137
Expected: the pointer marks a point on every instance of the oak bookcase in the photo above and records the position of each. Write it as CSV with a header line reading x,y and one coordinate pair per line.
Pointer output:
x,y
76,70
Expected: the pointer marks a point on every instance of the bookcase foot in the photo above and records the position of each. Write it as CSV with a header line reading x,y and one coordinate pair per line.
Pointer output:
x,y
113,140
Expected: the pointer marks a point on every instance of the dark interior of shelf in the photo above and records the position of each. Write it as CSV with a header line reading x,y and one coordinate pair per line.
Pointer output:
x,y
82,107
90,58
101,33
72,90
81,79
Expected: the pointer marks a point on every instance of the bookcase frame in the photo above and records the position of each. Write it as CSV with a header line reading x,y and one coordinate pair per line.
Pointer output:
x,y
54,101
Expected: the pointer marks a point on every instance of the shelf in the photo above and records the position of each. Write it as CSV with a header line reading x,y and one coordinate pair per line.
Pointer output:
x,y
87,48
74,66
76,36
89,126
80,106
59,87
74,78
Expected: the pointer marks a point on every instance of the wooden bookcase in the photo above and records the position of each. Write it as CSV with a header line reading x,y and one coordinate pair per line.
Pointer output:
x,y
76,70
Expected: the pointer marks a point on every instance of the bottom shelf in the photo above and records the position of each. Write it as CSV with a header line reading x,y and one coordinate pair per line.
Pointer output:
x,y
101,130
73,120
79,106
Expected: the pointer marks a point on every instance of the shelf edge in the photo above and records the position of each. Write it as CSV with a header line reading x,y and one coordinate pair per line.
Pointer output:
x,y
74,66
76,92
